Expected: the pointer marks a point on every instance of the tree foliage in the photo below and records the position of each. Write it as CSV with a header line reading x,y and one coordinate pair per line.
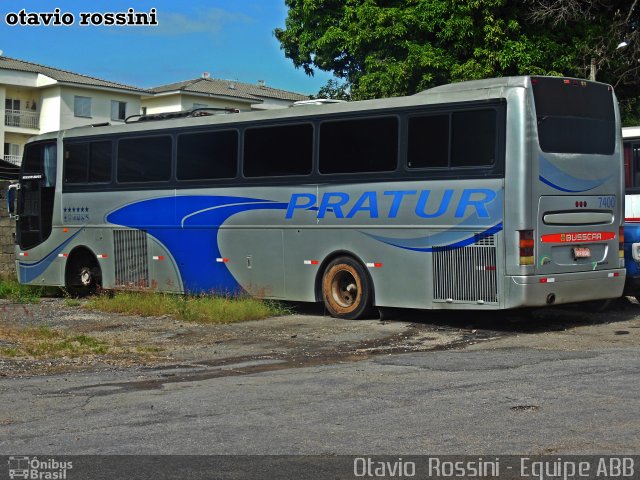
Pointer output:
x,y
381,48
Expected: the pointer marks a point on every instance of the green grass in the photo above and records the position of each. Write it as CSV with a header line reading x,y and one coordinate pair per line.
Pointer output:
x,y
18,293
46,342
201,309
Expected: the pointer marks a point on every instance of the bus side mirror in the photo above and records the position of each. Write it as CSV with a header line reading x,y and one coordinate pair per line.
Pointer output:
x,y
12,196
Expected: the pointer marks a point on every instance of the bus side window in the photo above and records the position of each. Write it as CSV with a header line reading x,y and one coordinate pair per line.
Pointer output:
x,y
88,162
474,138
428,141
76,162
207,155
145,159
278,151
359,145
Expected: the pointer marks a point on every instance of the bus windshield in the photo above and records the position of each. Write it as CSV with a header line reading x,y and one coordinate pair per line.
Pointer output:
x,y
574,116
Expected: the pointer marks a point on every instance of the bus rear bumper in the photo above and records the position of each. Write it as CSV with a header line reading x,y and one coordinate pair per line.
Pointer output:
x,y
540,290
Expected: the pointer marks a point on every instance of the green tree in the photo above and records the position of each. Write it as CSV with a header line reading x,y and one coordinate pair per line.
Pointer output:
x,y
381,48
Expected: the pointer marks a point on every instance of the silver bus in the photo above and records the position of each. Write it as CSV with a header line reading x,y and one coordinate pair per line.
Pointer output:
x,y
487,194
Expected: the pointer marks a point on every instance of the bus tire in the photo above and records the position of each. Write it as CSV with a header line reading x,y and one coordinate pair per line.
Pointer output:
x,y
347,290
83,274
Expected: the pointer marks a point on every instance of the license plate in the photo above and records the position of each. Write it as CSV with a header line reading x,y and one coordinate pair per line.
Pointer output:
x,y
581,252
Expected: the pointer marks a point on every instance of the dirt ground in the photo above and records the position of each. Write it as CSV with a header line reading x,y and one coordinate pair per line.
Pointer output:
x,y
309,337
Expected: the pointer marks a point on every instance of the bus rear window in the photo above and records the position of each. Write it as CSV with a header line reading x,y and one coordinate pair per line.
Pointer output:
x,y
574,116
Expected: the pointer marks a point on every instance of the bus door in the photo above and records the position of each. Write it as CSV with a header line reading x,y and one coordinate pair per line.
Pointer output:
x,y
36,194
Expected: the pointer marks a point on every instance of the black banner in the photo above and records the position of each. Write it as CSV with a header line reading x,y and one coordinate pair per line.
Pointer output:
x,y
249,467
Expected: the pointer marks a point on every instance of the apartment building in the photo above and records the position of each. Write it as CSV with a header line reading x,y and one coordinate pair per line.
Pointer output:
x,y
39,99
217,93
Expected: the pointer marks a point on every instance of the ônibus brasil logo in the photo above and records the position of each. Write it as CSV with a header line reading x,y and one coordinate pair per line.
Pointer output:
x,y
33,468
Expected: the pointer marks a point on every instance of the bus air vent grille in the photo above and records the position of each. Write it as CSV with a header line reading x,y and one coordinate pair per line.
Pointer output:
x,y
466,274
131,262
484,239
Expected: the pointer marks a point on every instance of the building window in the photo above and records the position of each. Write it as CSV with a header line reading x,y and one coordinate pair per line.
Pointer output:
x,y
82,106
200,105
12,153
118,110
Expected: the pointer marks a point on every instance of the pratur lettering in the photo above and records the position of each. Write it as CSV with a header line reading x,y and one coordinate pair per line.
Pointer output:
x,y
425,203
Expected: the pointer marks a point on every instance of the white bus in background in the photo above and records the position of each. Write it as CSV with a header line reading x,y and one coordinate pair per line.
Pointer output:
x,y
488,194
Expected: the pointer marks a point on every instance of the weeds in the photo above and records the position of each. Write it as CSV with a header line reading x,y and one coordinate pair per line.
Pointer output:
x,y
201,309
46,342
18,293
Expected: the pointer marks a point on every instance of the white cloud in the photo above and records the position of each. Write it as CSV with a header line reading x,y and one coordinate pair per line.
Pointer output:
x,y
206,21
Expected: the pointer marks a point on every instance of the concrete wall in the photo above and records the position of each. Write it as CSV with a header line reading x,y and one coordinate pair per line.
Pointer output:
x,y
7,229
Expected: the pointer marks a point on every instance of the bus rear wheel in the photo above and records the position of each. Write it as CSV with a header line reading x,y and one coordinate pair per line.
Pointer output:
x,y
347,291
83,276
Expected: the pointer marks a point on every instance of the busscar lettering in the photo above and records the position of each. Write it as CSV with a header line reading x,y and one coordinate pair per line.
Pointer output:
x,y
389,204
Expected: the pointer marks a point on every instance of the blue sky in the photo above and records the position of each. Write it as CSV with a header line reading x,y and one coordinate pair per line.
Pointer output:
x,y
229,39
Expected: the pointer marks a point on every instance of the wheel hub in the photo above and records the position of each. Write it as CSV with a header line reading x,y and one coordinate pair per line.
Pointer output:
x,y
344,289
85,277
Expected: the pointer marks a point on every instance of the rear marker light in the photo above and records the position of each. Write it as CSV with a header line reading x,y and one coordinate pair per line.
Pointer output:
x,y
547,280
621,242
222,260
613,274
102,255
526,244
158,257
374,265
63,255
311,262
24,254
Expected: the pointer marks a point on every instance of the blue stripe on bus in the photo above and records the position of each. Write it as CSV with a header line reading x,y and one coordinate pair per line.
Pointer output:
x,y
408,244
30,271
188,228
564,182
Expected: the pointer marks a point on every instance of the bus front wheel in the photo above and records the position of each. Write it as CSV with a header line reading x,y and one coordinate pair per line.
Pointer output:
x,y
83,276
347,290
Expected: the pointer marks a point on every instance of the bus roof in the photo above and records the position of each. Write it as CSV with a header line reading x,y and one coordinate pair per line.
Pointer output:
x,y
474,90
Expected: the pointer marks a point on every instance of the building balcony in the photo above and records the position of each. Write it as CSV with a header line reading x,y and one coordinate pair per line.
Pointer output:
x,y
14,159
22,119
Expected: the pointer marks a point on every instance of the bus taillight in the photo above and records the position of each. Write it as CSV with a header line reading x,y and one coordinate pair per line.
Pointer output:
x,y
621,242
526,247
